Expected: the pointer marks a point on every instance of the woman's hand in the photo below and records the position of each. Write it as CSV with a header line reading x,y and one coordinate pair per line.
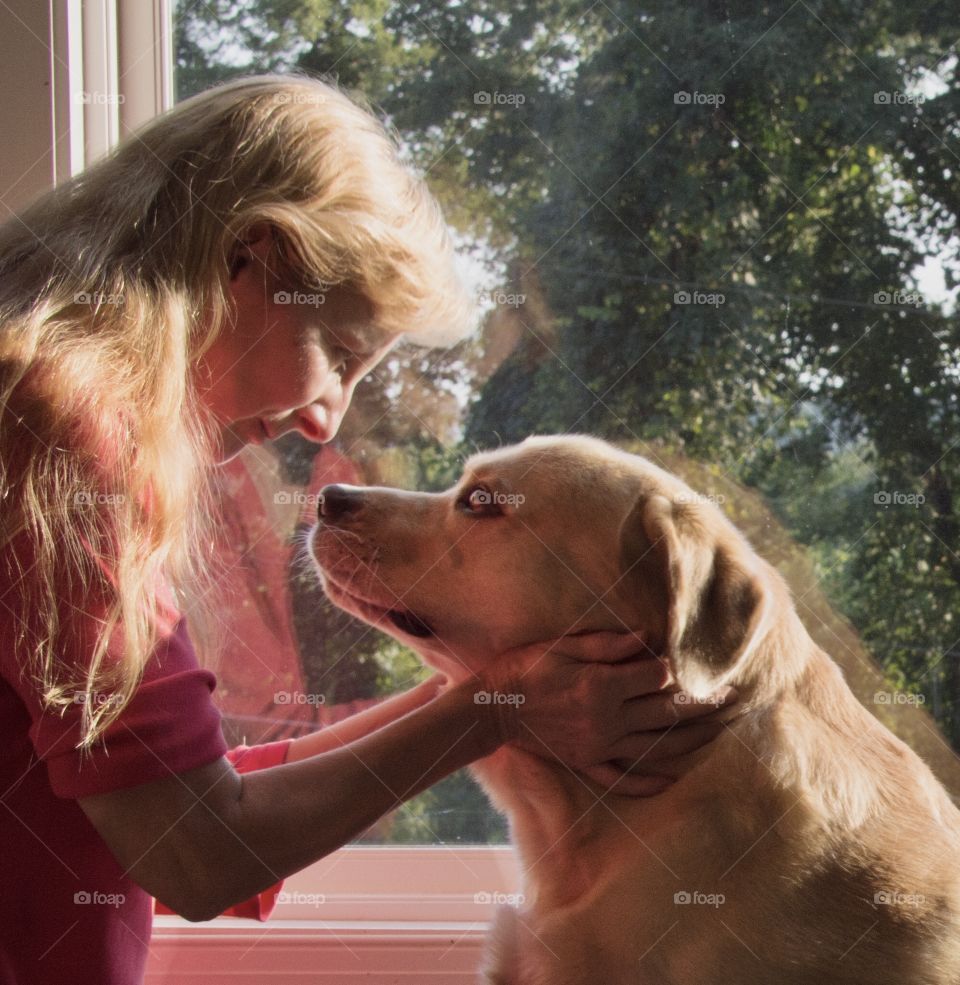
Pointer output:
x,y
601,704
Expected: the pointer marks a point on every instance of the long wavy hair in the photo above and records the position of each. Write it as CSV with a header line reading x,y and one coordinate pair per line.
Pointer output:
x,y
112,285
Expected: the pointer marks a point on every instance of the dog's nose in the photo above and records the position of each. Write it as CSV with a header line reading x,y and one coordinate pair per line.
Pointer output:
x,y
337,500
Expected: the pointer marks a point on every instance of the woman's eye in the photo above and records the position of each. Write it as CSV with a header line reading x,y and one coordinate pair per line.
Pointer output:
x,y
481,501
339,358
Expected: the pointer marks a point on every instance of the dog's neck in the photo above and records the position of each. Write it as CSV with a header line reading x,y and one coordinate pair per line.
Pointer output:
x,y
560,819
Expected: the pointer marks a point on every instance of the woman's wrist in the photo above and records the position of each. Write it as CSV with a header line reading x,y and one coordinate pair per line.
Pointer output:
x,y
489,723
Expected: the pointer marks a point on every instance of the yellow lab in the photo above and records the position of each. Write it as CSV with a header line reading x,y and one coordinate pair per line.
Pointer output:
x,y
806,845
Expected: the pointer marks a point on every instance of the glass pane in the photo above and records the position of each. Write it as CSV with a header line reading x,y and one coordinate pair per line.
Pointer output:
x,y
721,238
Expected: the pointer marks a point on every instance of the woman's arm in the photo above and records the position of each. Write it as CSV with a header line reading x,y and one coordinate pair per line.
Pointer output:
x,y
363,723
202,840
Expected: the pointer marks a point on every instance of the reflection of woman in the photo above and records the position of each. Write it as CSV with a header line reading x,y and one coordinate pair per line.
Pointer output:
x,y
228,275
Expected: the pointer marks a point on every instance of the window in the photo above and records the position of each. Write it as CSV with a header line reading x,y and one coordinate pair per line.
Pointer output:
x,y
724,239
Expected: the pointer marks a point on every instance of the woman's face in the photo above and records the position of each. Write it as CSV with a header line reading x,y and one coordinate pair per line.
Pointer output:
x,y
286,359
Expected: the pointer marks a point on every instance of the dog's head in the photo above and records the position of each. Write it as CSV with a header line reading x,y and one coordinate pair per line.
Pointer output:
x,y
547,538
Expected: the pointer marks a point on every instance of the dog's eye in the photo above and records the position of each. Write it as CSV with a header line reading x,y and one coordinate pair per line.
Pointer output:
x,y
480,501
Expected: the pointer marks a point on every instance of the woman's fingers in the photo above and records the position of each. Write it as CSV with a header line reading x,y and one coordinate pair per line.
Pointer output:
x,y
642,750
665,708
603,646
615,780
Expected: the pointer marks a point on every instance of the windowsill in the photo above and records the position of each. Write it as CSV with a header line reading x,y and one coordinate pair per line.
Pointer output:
x,y
285,952
388,914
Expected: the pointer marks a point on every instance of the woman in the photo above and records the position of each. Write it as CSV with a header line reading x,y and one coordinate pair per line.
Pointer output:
x,y
147,334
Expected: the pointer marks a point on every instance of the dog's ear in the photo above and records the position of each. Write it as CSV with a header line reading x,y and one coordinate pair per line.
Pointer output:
x,y
697,586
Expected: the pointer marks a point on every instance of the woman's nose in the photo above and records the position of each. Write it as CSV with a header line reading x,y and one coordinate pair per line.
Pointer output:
x,y
319,423
320,420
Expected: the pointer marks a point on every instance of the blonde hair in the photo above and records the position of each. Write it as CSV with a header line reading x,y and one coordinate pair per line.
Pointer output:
x,y
111,287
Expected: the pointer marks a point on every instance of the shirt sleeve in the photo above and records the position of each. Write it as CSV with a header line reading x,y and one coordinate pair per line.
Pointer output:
x,y
246,759
170,726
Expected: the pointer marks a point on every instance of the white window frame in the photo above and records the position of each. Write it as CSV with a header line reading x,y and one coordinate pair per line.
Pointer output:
x,y
78,75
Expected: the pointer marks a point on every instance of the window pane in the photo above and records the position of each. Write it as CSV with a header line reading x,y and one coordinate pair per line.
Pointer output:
x,y
712,239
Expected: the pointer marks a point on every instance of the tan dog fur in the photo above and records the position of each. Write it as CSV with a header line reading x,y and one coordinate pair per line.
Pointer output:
x,y
816,847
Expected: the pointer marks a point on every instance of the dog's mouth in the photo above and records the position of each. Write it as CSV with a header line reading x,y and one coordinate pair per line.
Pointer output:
x,y
403,619
409,623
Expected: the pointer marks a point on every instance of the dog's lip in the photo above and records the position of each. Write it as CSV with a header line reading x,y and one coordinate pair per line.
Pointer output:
x,y
405,620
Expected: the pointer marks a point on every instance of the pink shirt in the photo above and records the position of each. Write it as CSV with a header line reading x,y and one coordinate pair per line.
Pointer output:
x,y
68,914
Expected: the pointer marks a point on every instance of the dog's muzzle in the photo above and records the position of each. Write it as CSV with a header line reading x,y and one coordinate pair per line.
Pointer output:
x,y
338,501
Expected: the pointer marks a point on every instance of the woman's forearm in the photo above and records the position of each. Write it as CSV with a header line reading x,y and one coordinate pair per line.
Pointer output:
x,y
363,723
380,771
